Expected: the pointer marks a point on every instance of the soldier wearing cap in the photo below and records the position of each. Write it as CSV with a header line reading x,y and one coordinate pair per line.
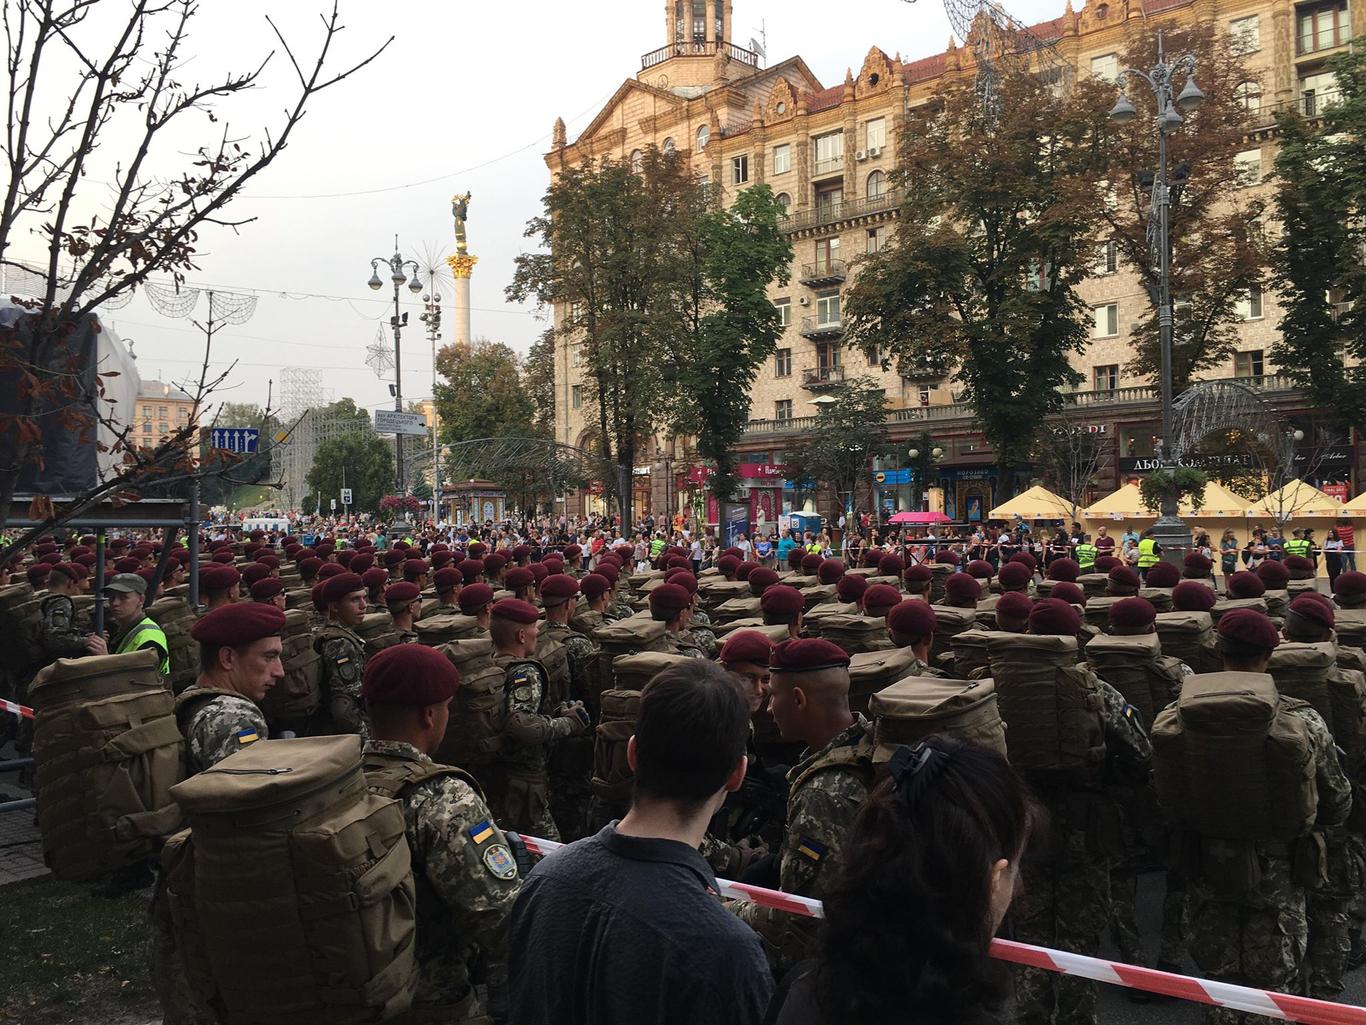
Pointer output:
x,y
671,604
476,601
463,866
342,655
911,624
270,591
518,783
219,585
698,633
573,564
618,606
375,580
133,629
571,760
782,605
809,701
447,581
403,602
60,637
592,614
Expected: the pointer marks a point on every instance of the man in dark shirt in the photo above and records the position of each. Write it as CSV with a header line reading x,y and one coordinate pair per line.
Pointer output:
x,y
627,926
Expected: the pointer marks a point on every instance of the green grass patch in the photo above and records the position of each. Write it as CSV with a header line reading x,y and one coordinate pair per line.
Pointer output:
x,y
72,956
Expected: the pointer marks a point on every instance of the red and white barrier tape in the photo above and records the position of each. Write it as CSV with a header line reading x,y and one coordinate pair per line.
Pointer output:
x,y
23,711
1202,991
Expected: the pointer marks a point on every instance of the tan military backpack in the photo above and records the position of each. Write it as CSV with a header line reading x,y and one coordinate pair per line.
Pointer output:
x,y
107,751
1189,636
475,729
435,631
912,709
292,892
612,775
871,671
1231,762
949,623
1310,672
624,637
856,633
1129,663
177,619
299,694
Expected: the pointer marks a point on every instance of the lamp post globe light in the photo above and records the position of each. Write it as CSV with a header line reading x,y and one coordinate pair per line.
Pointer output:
x,y
397,265
1169,531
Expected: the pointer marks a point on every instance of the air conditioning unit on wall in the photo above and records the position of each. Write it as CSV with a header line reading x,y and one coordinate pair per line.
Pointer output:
x,y
861,155
804,301
875,151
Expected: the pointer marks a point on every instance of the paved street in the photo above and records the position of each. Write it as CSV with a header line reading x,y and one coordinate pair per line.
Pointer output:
x,y
21,856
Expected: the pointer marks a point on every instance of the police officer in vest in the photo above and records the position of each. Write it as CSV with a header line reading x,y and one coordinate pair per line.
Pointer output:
x,y
133,629
1149,552
1086,552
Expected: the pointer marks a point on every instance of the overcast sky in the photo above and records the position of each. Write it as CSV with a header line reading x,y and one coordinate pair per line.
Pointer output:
x,y
463,99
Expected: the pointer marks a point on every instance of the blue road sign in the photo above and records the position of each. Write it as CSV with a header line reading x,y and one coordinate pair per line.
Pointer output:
x,y
236,439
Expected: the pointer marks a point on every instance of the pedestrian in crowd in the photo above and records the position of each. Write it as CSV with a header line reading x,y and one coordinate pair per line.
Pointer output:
x,y
1333,555
624,926
133,629
1228,554
763,550
931,864
1347,535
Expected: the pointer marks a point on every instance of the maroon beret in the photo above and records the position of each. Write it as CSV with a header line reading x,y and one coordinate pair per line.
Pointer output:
x,y
338,587
494,562
477,546
1051,616
79,550
795,558
558,588
273,561
415,567
747,646
516,610
86,563
238,624
393,557
310,566
1064,569
328,570
851,587
316,596
129,565
473,597
1065,590
1274,575
1123,576
1015,575
1014,605
471,570
981,569
1300,568
402,546
555,564
679,562
325,549
729,551
912,618
743,570
1351,584
520,552
401,592
917,574
441,558
148,574
1197,566
518,577
254,572
412,675
572,550
1132,613
805,654
948,558
727,565
1105,563
446,579
1193,596
1316,608
43,547
1250,627
830,571
345,558
374,577
781,600
267,588
1245,585
361,563
811,562
761,578
219,578
1025,558
881,596
962,587
891,566
685,580
1163,574
611,573
668,599
39,573
594,585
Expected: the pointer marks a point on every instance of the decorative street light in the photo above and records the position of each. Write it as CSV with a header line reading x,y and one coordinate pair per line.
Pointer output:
x,y
396,265
432,318
1169,530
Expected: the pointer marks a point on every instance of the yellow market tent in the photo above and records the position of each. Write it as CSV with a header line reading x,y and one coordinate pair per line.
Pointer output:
x,y
1038,503
1296,501
1127,504
1357,506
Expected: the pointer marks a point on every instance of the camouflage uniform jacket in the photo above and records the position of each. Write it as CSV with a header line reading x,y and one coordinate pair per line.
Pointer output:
x,y
343,667
586,621
59,635
407,637
683,643
466,877
1126,741
445,610
217,723
528,727
619,608
701,638
581,652
827,789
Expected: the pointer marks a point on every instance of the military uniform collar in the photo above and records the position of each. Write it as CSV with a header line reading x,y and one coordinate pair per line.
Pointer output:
x,y
397,749
849,735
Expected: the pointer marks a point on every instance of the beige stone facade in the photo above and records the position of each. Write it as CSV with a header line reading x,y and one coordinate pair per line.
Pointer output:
x,y
830,152
162,409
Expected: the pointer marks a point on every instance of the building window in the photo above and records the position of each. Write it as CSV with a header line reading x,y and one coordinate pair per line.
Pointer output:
x,y
924,395
576,396
1322,26
829,152
147,427
1107,321
1247,167
1317,93
784,308
699,21
161,412
782,409
782,159
637,161
1245,34
1107,260
1250,306
785,201
827,252
828,360
877,133
1107,377
782,363
739,167
877,184
1248,363
1249,96
829,200
877,239
703,137
163,428
669,146
828,307
873,354
1105,68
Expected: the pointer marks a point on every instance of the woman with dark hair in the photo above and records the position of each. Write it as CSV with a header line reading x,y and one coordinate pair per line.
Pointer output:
x,y
930,867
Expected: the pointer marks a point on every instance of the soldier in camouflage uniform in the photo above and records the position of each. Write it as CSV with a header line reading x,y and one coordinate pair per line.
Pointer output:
x,y
342,655
618,606
671,604
403,602
447,580
518,785
374,580
911,624
827,787
698,633
59,635
591,615
463,865
571,759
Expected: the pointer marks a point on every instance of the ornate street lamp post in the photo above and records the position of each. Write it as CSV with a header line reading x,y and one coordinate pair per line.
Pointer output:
x,y
396,265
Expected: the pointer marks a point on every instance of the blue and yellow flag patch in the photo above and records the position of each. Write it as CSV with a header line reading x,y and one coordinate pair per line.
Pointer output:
x,y
481,832
809,847
247,736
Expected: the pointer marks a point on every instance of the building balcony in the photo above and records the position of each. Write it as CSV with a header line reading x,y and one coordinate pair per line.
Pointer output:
x,y
822,273
820,330
699,48
830,165
825,214
823,379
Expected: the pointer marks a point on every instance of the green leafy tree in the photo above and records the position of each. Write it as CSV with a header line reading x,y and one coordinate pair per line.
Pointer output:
x,y
538,381
481,393
847,433
221,489
362,461
997,227
1218,249
734,325
1317,268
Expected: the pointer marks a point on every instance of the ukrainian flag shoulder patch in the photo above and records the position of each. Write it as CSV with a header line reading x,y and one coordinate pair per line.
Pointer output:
x,y
480,832
247,736
811,848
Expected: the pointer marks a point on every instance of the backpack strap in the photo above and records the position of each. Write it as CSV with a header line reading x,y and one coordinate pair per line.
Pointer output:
x,y
193,698
392,776
857,755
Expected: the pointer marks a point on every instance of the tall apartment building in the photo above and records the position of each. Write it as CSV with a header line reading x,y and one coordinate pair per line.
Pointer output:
x,y
828,152
162,409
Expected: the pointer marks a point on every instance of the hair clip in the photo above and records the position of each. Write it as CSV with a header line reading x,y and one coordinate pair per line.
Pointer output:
x,y
913,769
